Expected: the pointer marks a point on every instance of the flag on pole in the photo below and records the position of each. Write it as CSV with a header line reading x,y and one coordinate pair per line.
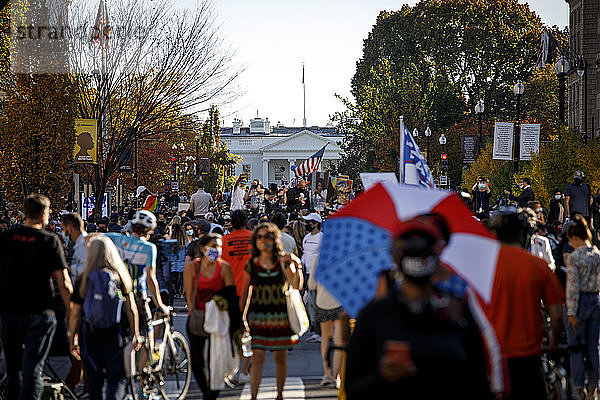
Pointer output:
x,y
310,165
413,166
101,30
548,45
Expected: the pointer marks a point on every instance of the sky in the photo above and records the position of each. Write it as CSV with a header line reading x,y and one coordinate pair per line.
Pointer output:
x,y
272,38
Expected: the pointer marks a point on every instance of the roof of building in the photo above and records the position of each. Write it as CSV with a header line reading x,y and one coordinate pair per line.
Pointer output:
x,y
283,131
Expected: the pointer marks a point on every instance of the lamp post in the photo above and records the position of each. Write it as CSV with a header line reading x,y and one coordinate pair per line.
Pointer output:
x,y
518,89
428,136
479,109
415,134
582,72
561,68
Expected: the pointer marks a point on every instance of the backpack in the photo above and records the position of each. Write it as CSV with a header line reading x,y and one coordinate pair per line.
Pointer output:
x,y
103,302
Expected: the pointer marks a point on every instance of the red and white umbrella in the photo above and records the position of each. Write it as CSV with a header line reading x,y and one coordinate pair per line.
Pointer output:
x,y
357,241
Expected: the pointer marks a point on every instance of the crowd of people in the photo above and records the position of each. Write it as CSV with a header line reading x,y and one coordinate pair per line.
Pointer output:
x,y
245,251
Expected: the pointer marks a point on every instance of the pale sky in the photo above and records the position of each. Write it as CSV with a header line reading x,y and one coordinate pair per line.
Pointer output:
x,y
273,37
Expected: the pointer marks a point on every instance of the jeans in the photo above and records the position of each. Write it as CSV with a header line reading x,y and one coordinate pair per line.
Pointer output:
x,y
584,342
27,340
105,361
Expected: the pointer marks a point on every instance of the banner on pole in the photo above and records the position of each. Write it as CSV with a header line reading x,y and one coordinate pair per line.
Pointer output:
x,y
503,141
86,141
468,147
530,140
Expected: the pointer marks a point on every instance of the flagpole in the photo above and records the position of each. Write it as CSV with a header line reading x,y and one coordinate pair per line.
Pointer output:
x,y
401,159
304,93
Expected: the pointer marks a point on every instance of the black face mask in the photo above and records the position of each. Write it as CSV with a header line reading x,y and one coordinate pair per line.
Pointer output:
x,y
418,280
577,181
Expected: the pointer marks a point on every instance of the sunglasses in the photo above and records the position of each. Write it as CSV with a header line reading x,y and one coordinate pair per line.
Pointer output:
x,y
267,236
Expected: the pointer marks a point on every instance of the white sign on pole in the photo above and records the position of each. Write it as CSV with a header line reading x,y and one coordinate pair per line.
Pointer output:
x,y
443,180
530,140
503,141
370,179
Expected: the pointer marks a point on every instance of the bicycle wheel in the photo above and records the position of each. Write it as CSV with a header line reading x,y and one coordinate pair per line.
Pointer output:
x,y
176,373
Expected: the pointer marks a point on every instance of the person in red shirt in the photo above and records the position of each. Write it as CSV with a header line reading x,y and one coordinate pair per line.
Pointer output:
x,y
236,251
522,282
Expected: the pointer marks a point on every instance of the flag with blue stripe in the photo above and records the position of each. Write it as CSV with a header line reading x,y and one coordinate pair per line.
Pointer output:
x,y
415,170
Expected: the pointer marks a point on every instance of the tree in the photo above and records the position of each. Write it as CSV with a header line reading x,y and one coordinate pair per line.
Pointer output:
x,y
211,147
37,137
160,64
448,55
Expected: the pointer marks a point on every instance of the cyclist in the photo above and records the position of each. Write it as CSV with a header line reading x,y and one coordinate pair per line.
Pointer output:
x,y
30,255
140,257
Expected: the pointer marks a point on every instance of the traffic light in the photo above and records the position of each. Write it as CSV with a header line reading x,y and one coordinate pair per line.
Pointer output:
x,y
444,163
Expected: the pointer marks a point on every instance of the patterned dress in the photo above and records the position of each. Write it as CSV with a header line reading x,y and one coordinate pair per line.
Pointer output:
x,y
267,315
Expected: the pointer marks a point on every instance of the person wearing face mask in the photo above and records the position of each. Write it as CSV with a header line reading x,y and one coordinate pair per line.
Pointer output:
x,y
526,195
416,342
204,277
481,197
578,197
72,226
557,210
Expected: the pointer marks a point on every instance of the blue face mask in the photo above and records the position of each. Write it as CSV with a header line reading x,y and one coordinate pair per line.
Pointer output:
x,y
189,232
212,254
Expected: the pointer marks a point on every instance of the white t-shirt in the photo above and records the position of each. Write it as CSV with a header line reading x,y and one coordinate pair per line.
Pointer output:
x,y
79,256
311,245
237,199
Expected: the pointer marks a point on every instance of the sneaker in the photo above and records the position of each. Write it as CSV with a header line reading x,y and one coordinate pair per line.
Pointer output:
x,y
327,380
338,382
243,378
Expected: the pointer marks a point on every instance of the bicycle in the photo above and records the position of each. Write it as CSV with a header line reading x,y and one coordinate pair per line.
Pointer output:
x,y
555,374
167,372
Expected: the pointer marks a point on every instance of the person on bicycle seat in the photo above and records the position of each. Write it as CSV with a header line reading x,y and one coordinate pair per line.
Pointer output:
x,y
140,257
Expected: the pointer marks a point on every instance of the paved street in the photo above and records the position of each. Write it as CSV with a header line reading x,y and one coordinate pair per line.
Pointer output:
x,y
304,374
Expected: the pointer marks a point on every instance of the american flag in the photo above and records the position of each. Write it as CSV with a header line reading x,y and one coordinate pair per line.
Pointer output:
x,y
101,29
310,165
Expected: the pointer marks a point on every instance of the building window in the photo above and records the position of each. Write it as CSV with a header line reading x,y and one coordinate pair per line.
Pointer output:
x,y
246,142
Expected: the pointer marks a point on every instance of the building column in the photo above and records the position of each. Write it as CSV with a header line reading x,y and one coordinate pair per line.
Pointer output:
x,y
265,174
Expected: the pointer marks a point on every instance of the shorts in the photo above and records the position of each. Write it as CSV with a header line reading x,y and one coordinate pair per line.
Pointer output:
x,y
322,315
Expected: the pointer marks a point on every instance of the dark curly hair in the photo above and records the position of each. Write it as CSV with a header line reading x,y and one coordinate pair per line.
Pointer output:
x,y
273,230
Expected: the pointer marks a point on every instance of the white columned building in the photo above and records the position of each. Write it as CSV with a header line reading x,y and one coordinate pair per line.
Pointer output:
x,y
269,152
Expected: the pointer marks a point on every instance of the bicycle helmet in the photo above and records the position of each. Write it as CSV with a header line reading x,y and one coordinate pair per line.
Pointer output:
x,y
144,218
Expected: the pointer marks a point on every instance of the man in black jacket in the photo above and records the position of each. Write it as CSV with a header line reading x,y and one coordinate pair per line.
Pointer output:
x,y
526,195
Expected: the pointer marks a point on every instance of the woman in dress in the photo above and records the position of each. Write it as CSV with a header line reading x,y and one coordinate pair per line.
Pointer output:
x,y
268,273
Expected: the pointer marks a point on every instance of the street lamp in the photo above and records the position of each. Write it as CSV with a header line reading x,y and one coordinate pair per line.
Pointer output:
x,y
428,136
518,89
561,68
582,72
479,109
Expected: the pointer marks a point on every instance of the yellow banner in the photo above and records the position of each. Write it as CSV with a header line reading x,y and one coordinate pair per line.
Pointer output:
x,y
86,144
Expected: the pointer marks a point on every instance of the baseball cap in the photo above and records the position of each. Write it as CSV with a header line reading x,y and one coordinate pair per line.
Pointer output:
x,y
140,190
313,217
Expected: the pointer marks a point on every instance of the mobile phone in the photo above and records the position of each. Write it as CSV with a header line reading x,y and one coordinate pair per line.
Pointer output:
x,y
398,350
